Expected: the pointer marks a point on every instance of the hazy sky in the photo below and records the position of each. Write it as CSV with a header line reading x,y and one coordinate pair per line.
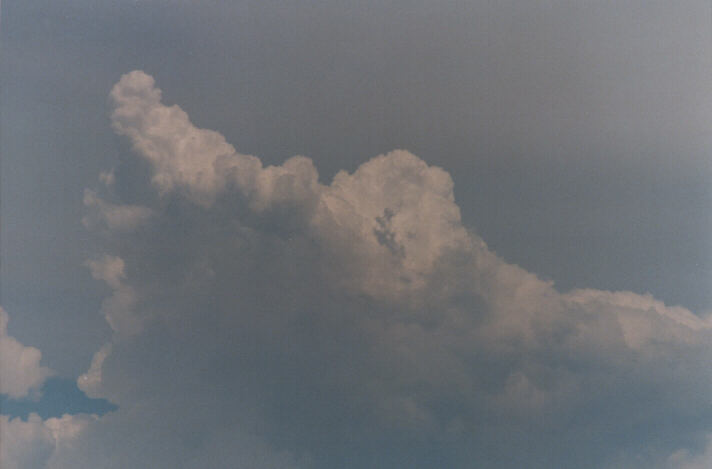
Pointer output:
x,y
494,252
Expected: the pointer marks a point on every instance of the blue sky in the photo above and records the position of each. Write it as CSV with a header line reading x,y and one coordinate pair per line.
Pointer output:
x,y
525,282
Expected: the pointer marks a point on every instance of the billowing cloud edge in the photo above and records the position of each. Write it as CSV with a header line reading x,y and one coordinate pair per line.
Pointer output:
x,y
21,372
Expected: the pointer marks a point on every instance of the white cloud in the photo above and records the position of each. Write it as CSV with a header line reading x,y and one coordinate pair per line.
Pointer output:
x,y
20,369
33,443
643,319
114,217
181,154
90,382
393,205
108,178
292,311
25,444
120,308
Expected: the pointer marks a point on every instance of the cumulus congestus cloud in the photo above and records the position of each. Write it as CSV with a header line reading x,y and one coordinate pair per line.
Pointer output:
x,y
263,318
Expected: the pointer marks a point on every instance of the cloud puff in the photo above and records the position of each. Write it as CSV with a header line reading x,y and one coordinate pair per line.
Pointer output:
x,y
34,443
20,369
395,213
111,216
119,308
90,381
360,322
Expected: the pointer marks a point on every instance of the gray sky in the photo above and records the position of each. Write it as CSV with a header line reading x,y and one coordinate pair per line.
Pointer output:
x,y
577,137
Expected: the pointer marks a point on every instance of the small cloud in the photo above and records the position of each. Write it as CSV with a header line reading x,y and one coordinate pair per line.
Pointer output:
x,y
119,308
116,218
20,368
108,178
91,381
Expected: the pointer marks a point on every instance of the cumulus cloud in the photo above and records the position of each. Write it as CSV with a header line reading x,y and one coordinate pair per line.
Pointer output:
x,y
360,322
31,443
34,443
395,213
101,213
20,368
90,381
119,308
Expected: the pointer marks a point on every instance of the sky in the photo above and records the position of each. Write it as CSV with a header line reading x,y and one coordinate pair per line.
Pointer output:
x,y
318,234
